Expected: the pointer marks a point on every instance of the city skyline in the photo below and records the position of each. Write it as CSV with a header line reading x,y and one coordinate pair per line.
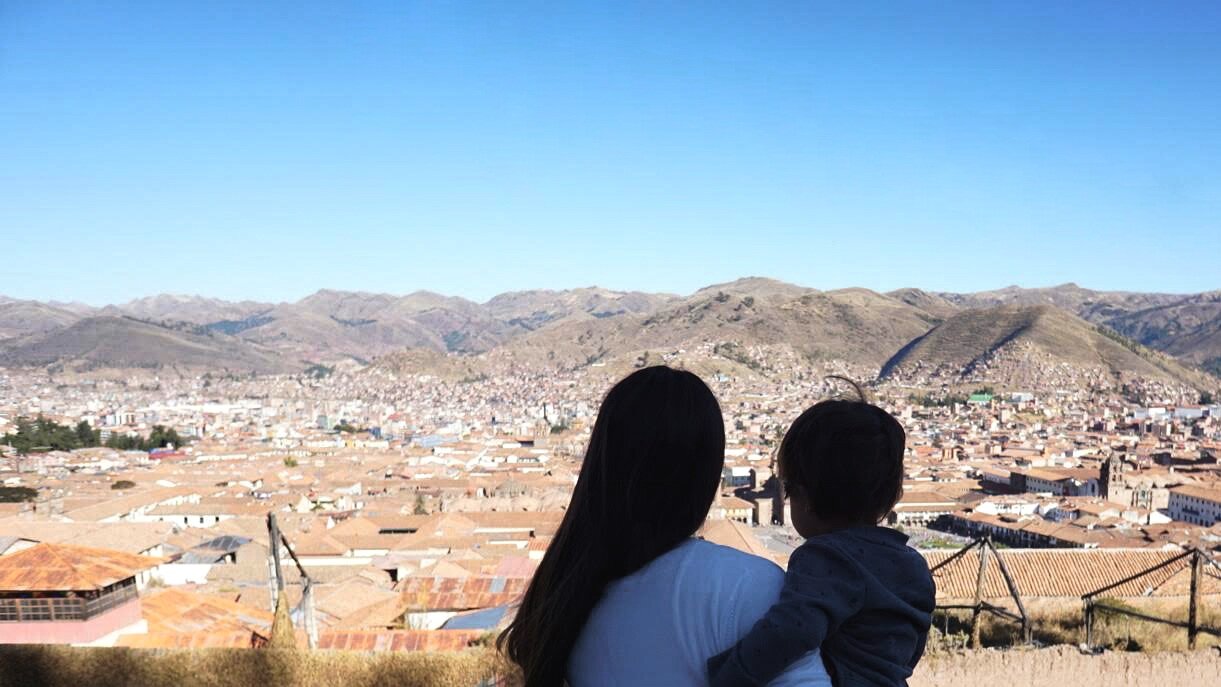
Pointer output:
x,y
260,152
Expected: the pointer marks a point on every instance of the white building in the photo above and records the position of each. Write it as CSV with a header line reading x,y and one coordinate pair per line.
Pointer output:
x,y
1196,505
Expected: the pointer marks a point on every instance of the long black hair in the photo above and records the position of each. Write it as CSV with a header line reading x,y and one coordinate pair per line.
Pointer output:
x,y
649,477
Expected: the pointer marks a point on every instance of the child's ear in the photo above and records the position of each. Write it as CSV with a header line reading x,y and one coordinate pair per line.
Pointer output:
x,y
799,493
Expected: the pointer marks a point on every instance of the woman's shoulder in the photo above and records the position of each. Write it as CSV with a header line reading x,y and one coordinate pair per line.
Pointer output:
x,y
704,565
729,557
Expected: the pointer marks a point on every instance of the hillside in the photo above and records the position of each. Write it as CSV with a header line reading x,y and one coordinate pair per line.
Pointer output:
x,y
1005,343
97,342
533,309
578,327
19,318
193,309
1173,323
934,304
854,325
332,324
1189,328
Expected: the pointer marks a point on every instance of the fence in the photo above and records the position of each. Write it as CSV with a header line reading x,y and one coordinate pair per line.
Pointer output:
x,y
1194,557
979,605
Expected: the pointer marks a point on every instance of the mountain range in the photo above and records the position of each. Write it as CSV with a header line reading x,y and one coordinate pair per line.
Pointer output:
x,y
1163,335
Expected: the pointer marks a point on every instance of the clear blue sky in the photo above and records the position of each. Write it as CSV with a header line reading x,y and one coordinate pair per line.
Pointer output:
x,y
266,149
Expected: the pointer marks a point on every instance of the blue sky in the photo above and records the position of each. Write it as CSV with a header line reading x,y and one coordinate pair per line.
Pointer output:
x,y
267,149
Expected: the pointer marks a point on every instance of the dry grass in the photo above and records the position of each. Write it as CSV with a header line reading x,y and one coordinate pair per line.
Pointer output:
x,y
59,666
1061,622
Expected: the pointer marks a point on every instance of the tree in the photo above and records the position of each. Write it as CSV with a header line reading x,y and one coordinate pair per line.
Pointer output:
x,y
161,437
48,435
123,484
290,462
420,507
17,494
1206,398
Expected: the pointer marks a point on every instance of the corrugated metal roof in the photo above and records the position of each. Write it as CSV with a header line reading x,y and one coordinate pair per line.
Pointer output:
x,y
62,567
460,593
234,639
483,619
180,611
398,640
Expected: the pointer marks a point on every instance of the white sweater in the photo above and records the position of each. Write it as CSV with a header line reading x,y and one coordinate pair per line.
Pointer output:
x,y
659,625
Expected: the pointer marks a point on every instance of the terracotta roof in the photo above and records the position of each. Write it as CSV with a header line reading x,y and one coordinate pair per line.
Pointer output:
x,y
1066,573
129,537
350,596
175,610
1200,492
233,639
61,567
734,535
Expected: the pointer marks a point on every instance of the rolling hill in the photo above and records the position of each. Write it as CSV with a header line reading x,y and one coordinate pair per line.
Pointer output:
x,y
120,342
855,325
19,318
1030,337
580,327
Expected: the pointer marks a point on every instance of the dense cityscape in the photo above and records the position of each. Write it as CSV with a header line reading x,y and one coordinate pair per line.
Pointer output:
x,y
418,506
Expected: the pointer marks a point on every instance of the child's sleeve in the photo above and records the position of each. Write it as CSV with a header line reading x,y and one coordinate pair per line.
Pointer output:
x,y
822,588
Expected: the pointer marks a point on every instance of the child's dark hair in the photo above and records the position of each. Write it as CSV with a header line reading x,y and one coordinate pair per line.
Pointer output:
x,y
848,457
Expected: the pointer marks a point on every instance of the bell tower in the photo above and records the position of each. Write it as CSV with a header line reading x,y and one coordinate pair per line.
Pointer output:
x,y
1110,479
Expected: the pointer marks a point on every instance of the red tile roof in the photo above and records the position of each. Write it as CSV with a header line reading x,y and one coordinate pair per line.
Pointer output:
x,y
1067,573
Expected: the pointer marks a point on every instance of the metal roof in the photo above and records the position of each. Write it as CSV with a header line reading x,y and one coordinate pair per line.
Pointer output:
x,y
484,619
62,567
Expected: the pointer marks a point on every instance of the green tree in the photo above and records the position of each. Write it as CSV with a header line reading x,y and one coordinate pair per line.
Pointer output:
x,y
123,442
161,437
290,462
42,434
123,484
17,494
86,435
1206,398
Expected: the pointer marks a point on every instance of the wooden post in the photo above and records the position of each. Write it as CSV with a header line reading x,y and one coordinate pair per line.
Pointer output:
x,y
274,530
1089,622
976,625
1013,591
1193,613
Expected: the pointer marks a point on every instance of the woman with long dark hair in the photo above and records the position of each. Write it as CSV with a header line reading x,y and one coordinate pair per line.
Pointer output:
x,y
624,594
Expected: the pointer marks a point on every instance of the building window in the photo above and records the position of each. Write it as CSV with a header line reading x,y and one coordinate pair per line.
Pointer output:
x,y
36,609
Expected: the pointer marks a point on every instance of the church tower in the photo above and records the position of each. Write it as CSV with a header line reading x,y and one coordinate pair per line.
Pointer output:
x,y
1110,479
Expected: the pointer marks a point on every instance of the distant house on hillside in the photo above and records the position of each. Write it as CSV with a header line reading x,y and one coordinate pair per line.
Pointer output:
x,y
61,594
